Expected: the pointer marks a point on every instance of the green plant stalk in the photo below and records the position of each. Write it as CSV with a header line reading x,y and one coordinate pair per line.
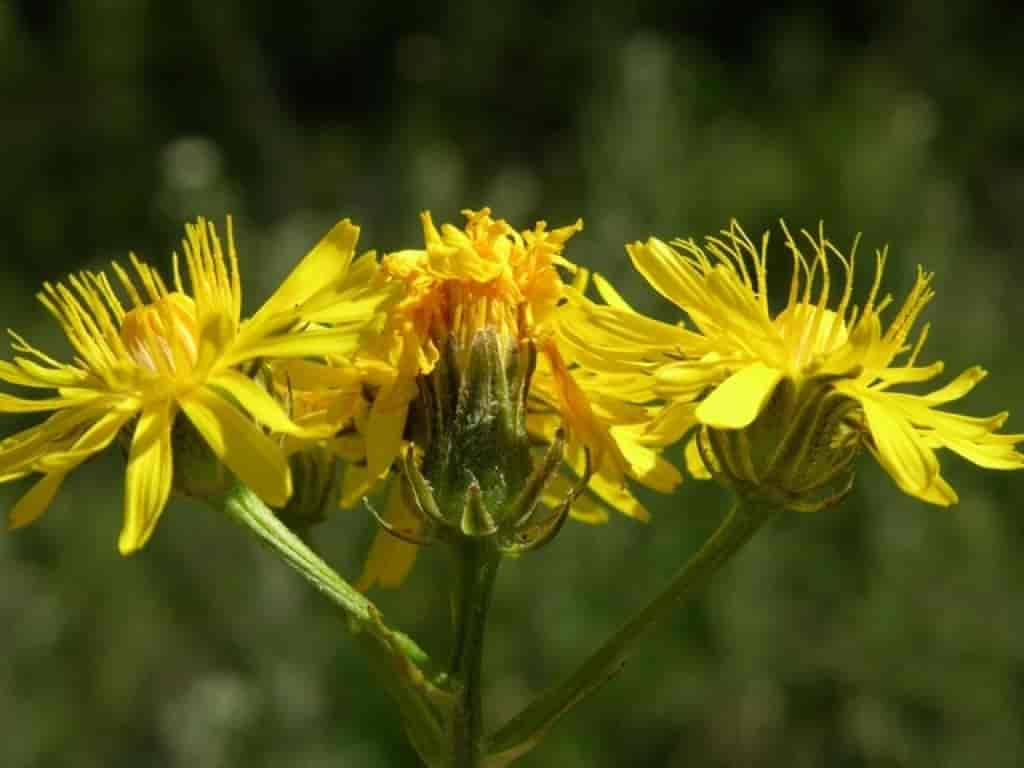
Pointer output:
x,y
476,563
402,666
525,730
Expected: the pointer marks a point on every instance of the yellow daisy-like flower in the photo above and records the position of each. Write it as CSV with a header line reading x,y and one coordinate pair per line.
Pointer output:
x,y
784,400
174,349
487,275
486,278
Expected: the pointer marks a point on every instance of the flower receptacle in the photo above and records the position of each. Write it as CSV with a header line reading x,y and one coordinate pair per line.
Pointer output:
x,y
471,470
798,454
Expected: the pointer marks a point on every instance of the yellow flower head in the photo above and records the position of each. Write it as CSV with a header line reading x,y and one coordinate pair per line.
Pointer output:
x,y
169,348
483,285
784,400
485,276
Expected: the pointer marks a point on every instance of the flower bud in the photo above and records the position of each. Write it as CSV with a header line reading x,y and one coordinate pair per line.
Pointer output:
x,y
478,476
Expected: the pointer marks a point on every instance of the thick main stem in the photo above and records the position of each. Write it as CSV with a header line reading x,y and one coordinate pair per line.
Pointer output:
x,y
476,563
528,727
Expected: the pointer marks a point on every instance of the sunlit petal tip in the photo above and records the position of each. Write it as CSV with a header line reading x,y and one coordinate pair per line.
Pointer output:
x,y
35,501
430,234
939,492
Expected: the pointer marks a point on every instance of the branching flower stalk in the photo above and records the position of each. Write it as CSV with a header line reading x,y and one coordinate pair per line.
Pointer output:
x,y
473,348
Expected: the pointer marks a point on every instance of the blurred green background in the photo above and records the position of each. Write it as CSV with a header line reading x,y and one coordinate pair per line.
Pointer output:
x,y
882,633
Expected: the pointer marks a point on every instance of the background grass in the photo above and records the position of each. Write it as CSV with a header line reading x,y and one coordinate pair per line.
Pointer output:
x,y
882,633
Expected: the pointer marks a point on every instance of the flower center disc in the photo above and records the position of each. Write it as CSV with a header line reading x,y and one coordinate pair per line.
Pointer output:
x,y
163,337
810,332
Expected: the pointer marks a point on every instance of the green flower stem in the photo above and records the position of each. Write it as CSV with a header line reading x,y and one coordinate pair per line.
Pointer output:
x,y
476,563
526,729
402,665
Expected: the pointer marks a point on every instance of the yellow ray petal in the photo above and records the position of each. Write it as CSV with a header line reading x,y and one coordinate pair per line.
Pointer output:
x,y
580,419
20,452
647,465
694,463
664,269
95,439
990,454
348,308
385,427
609,295
958,387
342,342
11,404
671,423
149,476
391,559
254,458
35,501
261,406
911,374
738,400
322,267
900,450
617,496
26,373
688,378
586,509
939,493
355,484
609,487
